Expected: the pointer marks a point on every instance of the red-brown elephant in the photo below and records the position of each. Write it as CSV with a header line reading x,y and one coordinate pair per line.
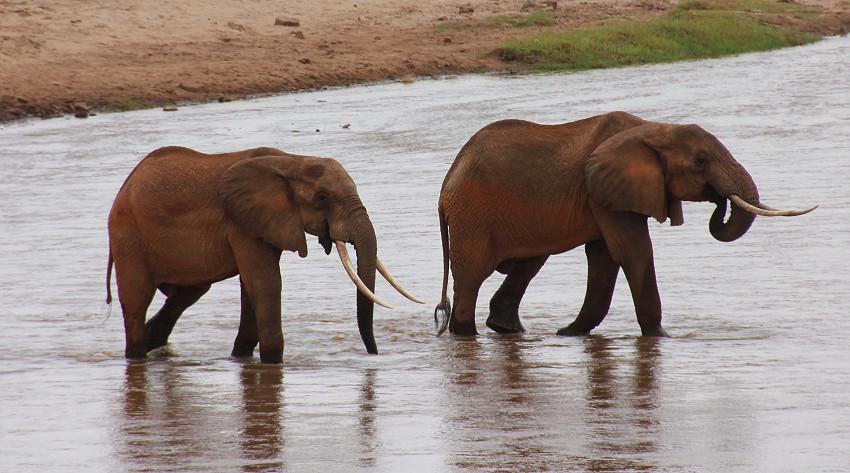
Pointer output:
x,y
519,192
184,220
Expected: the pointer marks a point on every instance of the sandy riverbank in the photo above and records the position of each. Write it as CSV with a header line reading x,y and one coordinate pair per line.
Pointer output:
x,y
76,56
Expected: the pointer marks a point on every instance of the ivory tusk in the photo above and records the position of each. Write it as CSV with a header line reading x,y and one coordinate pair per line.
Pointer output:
x,y
769,211
390,279
342,251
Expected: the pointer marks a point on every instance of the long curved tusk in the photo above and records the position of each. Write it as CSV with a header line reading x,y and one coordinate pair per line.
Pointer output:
x,y
342,251
390,279
769,211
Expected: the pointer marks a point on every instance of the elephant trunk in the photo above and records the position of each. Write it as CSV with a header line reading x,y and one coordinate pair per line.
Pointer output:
x,y
366,247
734,180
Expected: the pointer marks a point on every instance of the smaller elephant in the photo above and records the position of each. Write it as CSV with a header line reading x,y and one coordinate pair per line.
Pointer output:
x,y
519,192
184,220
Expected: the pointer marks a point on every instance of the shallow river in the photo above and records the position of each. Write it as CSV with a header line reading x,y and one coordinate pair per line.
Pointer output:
x,y
756,375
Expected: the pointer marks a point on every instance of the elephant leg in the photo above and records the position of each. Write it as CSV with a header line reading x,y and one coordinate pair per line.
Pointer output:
x,y
639,267
178,299
462,321
602,273
504,306
259,272
135,299
247,337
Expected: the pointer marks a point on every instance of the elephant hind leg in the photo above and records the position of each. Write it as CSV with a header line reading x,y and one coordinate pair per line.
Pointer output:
x,y
178,299
602,273
134,306
504,306
466,287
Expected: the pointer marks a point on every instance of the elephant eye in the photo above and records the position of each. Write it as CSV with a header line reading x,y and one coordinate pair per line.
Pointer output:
x,y
321,197
701,161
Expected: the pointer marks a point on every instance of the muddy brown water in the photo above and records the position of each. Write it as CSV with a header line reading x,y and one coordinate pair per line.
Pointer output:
x,y
755,377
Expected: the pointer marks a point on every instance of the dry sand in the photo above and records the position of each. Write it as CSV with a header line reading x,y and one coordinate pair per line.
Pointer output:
x,y
75,56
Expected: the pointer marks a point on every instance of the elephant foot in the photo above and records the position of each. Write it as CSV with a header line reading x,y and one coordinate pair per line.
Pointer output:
x,y
244,350
135,353
573,331
156,334
462,329
502,324
655,331
271,356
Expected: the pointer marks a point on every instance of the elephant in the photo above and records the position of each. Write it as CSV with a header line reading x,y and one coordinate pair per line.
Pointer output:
x,y
183,220
518,192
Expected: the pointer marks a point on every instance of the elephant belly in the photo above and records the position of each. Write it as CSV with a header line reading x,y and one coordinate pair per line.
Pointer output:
x,y
186,258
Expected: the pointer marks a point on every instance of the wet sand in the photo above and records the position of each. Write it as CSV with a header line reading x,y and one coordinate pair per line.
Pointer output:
x,y
81,56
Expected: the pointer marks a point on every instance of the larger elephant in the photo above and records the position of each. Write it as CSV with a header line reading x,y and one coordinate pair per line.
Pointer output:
x,y
519,192
184,220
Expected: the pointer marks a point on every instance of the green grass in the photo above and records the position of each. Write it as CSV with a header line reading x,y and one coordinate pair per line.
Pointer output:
x,y
128,105
696,29
538,18
791,9
449,26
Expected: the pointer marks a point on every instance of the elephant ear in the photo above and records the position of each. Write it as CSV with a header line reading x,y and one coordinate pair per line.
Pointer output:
x,y
624,173
256,194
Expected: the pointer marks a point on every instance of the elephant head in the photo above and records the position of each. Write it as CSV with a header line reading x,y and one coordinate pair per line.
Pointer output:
x,y
651,168
279,198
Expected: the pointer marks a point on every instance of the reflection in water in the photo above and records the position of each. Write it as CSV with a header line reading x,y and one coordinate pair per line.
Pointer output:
x,y
262,430
366,429
621,419
162,427
510,411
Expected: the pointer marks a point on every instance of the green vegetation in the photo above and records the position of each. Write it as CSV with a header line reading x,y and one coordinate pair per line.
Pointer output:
x,y
129,105
448,26
794,10
538,18
695,29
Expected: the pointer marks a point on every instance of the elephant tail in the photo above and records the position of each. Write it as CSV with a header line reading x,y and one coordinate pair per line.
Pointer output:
x,y
444,308
109,278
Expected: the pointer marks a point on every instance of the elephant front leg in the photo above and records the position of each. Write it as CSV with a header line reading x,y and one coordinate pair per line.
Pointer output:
x,y
602,273
639,268
504,306
265,298
247,337
259,274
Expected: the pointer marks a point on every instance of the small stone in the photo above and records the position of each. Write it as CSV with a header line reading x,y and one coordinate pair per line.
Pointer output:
x,y
362,19
528,5
304,60
346,126
298,34
287,22
466,9
443,18
81,107
169,108
82,114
